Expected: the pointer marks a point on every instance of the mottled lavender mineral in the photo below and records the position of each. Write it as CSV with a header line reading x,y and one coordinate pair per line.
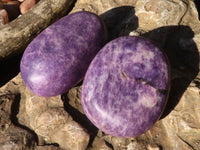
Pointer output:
x,y
58,57
126,87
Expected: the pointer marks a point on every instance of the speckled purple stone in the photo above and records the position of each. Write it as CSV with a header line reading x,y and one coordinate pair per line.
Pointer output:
x,y
126,87
59,56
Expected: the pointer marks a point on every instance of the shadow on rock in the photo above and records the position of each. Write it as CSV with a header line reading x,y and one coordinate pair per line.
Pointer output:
x,y
13,117
183,57
80,118
120,21
9,68
197,4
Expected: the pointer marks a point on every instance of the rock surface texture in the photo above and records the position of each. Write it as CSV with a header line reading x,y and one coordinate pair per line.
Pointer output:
x,y
59,122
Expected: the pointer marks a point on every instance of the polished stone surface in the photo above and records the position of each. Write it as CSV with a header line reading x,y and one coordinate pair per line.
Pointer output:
x,y
126,86
58,57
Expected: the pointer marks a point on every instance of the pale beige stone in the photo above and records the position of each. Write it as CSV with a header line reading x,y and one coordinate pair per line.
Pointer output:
x,y
53,124
47,118
157,13
100,144
26,5
56,126
3,17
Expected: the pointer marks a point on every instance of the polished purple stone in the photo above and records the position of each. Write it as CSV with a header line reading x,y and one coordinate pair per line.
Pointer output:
x,y
126,87
58,57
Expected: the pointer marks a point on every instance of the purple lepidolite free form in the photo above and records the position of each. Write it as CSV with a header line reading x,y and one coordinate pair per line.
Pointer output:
x,y
126,87
59,56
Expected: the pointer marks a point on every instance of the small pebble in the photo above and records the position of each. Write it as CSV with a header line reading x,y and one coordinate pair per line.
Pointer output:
x,y
3,17
26,5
